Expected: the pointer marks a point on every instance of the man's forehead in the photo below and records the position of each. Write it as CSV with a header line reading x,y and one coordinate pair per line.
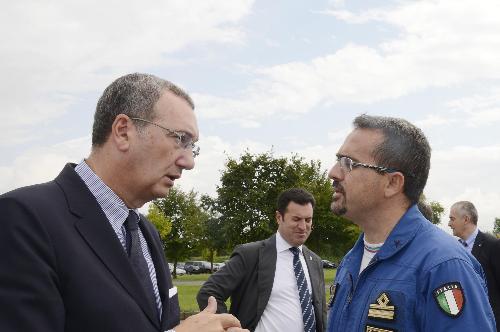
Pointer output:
x,y
361,143
178,112
298,209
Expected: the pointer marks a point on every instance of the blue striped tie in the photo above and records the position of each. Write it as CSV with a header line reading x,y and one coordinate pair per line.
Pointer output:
x,y
305,297
136,257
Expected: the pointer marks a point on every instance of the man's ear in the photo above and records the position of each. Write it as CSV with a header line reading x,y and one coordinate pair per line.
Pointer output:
x,y
121,132
395,184
279,217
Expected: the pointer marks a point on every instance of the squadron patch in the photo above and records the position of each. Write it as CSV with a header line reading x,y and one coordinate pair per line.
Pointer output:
x,y
382,309
450,298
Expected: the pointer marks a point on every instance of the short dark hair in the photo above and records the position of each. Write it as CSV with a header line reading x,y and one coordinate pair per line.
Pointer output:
x,y
297,195
405,148
425,209
133,95
468,209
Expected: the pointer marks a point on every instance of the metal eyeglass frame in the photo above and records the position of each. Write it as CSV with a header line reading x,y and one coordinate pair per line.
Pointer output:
x,y
347,164
181,137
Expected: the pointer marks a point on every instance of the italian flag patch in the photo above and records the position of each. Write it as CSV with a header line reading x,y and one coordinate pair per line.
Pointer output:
x,y
450,298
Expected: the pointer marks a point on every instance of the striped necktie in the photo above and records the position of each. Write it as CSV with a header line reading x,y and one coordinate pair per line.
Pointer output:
x,y
136,257
304,295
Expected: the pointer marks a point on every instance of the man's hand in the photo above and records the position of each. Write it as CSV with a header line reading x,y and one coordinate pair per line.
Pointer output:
x,y
209,321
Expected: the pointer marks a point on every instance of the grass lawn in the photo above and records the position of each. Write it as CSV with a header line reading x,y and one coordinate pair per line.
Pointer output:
x,y
187,297
193,277
189,285
329,275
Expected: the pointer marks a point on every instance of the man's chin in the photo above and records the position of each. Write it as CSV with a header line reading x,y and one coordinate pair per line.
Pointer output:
x,y
338,210
161,192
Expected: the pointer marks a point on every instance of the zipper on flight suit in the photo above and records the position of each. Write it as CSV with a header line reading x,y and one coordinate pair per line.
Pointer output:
x,y
353,285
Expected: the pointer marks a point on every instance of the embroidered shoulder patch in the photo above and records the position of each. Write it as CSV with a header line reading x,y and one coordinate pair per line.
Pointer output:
x,y
450,298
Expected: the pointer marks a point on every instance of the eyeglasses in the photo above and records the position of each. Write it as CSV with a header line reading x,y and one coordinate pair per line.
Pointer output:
x,y
347,164
184,140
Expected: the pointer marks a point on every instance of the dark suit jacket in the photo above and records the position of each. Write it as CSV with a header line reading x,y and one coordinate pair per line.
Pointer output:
x,y
248,279
486,249
64,269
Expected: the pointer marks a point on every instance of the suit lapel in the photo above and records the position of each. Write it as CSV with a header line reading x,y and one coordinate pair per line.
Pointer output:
x,y
266,271
312,267
93,226
478,244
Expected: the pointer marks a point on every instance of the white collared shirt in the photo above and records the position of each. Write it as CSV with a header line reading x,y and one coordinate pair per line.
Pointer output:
x,y
283,311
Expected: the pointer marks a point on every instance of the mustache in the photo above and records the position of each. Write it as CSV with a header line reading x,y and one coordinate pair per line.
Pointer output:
x,y
337,186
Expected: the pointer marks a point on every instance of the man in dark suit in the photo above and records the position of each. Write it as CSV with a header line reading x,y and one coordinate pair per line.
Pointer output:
x,y
261,277
76,254
485,247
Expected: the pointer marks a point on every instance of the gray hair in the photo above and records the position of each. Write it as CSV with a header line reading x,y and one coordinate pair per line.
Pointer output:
x,y
468,209
405,148
133,95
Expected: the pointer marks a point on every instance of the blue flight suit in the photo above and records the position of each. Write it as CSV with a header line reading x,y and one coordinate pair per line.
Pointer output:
x,y
420,280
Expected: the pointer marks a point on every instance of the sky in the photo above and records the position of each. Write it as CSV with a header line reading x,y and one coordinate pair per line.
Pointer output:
x,y
286,76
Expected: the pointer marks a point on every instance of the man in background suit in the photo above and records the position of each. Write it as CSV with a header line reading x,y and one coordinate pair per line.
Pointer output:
x,y
485,247
260,277
76,255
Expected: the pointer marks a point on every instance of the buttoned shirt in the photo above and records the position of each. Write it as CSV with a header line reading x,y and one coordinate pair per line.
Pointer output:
x,y
470,240
117,212
283,311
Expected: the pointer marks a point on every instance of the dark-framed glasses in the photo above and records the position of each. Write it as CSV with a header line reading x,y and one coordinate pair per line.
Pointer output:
x,y
347,164
184,140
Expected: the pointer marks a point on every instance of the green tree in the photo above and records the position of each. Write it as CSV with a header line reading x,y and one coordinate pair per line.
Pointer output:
x,y
213,238
160,220
437,212
433,211
180,212
247,195
496,227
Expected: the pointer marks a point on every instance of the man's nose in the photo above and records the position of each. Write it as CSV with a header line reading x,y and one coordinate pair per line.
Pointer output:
x,y
302,224
186,159
336,172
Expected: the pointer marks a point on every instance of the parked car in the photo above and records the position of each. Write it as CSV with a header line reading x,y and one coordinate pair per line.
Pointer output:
x,y
196,267
218,266
178,270
328,265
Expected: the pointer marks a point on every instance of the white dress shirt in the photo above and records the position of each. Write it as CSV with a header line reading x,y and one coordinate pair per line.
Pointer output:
x,y
283,311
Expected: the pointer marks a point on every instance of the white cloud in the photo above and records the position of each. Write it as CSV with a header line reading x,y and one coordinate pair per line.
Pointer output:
x,y
474,111
434,120
51,51
42,164
467,173
441,43
480,110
